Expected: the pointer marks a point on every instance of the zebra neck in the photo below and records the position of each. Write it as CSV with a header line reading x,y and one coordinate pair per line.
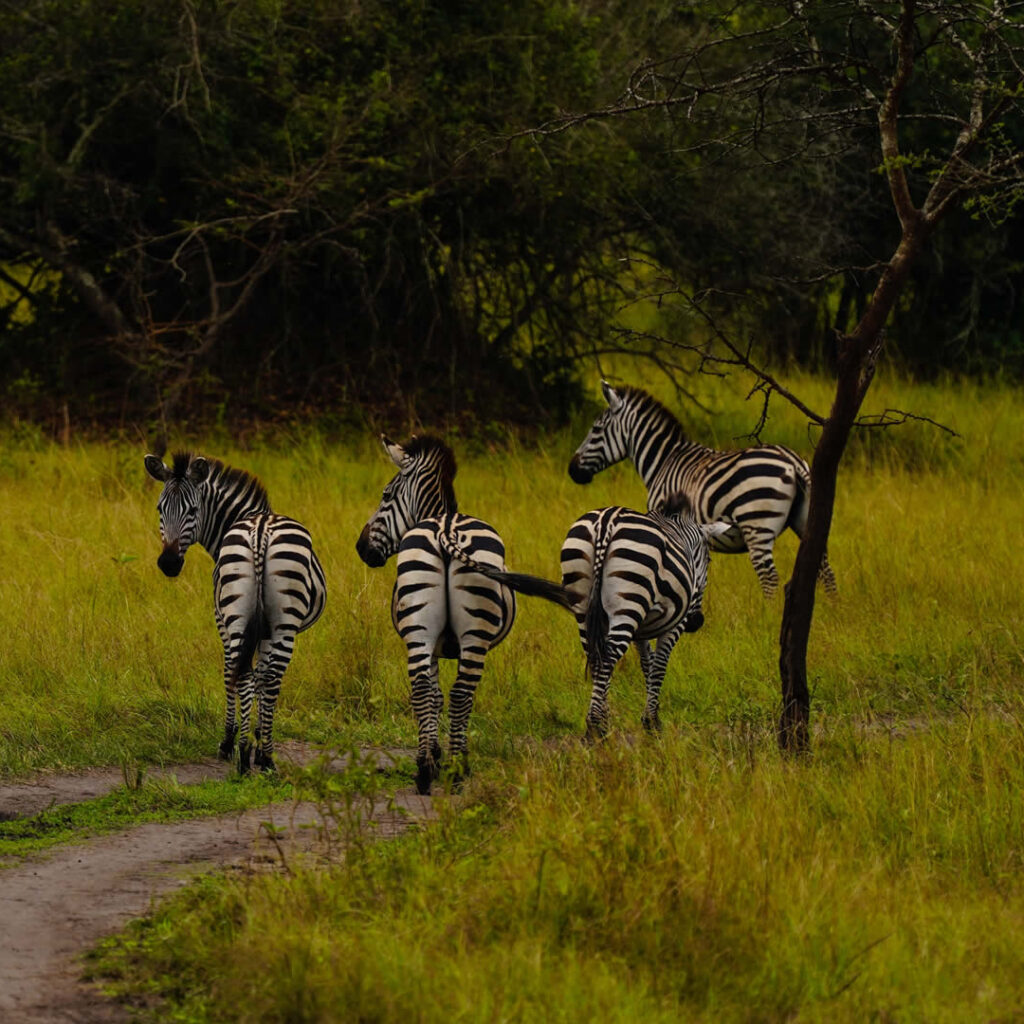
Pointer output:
x,y
222,513
659,451
435,509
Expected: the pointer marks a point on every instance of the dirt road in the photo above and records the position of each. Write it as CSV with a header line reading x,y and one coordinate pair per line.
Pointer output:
x,y
55,907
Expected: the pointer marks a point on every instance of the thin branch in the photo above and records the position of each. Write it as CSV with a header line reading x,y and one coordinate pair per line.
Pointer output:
x,y
896,418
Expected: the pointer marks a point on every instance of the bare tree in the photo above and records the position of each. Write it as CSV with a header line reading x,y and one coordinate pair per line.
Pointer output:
x,y
939,86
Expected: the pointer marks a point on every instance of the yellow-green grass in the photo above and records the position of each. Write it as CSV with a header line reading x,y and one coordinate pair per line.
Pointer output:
x,y
139,800
698,876
104,658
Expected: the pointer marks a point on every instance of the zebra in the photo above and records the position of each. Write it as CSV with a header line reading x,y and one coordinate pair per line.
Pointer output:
x,y
267,583
627,577
440,609
760,490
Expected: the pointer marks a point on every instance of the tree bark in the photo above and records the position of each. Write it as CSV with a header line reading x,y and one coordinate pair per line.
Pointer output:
x,y
858,352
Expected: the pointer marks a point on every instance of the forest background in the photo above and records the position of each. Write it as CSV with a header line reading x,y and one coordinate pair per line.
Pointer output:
x,y
253,225
332,206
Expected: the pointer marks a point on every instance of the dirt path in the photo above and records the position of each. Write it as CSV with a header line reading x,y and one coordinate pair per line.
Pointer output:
x,y
55,907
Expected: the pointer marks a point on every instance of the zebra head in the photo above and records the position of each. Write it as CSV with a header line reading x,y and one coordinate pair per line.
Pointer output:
x,y
422,489
179,505
608,440
679,507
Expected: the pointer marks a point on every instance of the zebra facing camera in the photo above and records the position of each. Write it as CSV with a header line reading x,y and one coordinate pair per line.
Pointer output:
x,y
170,563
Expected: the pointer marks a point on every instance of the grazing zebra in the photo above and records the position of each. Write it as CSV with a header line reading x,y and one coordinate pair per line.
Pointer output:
x,y
439,608
627,577
267,583
760,490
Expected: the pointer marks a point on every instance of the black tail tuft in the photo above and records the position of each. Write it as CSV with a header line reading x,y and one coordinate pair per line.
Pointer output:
x,y
534,586
596,630
250,641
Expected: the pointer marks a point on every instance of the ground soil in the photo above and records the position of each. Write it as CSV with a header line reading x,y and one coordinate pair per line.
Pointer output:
x,y
56,906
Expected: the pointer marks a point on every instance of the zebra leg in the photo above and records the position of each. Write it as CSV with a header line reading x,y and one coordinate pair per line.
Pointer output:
x,y
226,750
246,692
650,722
275,656
825,573
425,706
827,576
438,696
460,706
656,676
597,712
759,543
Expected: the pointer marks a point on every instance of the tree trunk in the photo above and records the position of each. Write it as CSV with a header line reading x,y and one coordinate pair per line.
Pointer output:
x,y
800,590
857,354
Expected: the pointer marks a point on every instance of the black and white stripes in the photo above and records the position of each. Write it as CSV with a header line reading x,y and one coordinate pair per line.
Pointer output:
x,y
759,490
627,577
268,583
440,608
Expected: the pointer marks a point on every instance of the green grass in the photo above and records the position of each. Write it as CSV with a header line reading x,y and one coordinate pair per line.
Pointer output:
x,y
700,877
697,878
164,799
149,800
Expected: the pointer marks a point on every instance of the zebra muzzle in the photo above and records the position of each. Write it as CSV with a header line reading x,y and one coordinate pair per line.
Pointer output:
x,y
373,557
170,562
578,473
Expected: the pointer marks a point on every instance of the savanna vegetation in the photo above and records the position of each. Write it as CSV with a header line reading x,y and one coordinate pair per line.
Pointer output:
x,y
266,230
699,875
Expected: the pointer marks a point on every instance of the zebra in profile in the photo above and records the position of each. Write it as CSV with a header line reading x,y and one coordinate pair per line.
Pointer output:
x,y
440,608
267,583
627,577
760,490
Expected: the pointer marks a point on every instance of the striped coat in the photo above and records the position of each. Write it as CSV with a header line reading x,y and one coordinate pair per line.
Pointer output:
x,y
627,577
760,490
268,584
439,607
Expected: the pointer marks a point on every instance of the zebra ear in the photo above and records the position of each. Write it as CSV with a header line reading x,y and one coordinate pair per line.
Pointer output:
x,y
156,469
198,469
396,451
611,396
717,529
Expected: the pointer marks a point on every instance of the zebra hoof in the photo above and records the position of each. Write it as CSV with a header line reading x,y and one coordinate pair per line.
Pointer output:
x,y
226,750
244,752
594,734
264,762
652,723
425,774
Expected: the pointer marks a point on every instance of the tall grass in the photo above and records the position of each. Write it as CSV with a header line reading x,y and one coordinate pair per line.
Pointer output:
x,y
105,658
696,877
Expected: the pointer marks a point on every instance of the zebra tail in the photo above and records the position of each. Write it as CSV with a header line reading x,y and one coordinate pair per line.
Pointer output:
x,y
251,637
522,583
532,586
595,624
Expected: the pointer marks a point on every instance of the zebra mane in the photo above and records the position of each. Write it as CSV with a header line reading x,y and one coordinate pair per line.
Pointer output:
x,y
228,474
652,409
677,504
427,444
